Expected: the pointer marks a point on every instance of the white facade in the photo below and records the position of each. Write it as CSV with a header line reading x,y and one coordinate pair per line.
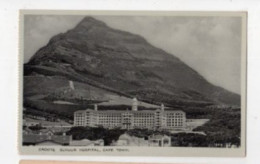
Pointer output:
x,y
147,119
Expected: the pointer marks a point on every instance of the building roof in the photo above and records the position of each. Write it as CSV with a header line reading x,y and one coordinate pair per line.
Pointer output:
x,y
47,130
49,141
84,142
29,131
46,123
129,111
157,136
173,111
36,138
80,111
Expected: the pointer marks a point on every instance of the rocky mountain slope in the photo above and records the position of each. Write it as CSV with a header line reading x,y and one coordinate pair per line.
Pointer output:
x,y
120,63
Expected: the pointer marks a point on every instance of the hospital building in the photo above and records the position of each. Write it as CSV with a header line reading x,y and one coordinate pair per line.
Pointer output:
x,y
129,119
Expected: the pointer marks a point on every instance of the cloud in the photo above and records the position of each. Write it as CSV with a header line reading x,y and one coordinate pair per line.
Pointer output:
x,y
210,45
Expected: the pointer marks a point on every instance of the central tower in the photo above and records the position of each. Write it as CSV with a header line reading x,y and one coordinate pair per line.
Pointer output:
x,y
135,104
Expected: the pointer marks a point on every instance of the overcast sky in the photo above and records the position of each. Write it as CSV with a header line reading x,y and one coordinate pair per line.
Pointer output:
x,y
210,45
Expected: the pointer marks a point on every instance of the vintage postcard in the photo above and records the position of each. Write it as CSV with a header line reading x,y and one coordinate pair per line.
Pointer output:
x,y
132,83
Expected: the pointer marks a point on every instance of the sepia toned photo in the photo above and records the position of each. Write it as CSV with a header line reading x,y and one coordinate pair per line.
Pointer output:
x,y
121,83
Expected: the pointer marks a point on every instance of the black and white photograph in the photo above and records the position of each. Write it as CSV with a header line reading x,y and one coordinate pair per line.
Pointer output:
x,y
135,81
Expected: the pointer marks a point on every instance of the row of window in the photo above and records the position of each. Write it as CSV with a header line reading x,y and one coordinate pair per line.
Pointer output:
x,y
105,118
136,120
174,114
108,117
101,122
143,115
175,124
135,124
174,119
110,123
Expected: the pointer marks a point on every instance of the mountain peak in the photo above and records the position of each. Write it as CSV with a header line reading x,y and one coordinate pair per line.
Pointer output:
x,y
96,54
89,21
